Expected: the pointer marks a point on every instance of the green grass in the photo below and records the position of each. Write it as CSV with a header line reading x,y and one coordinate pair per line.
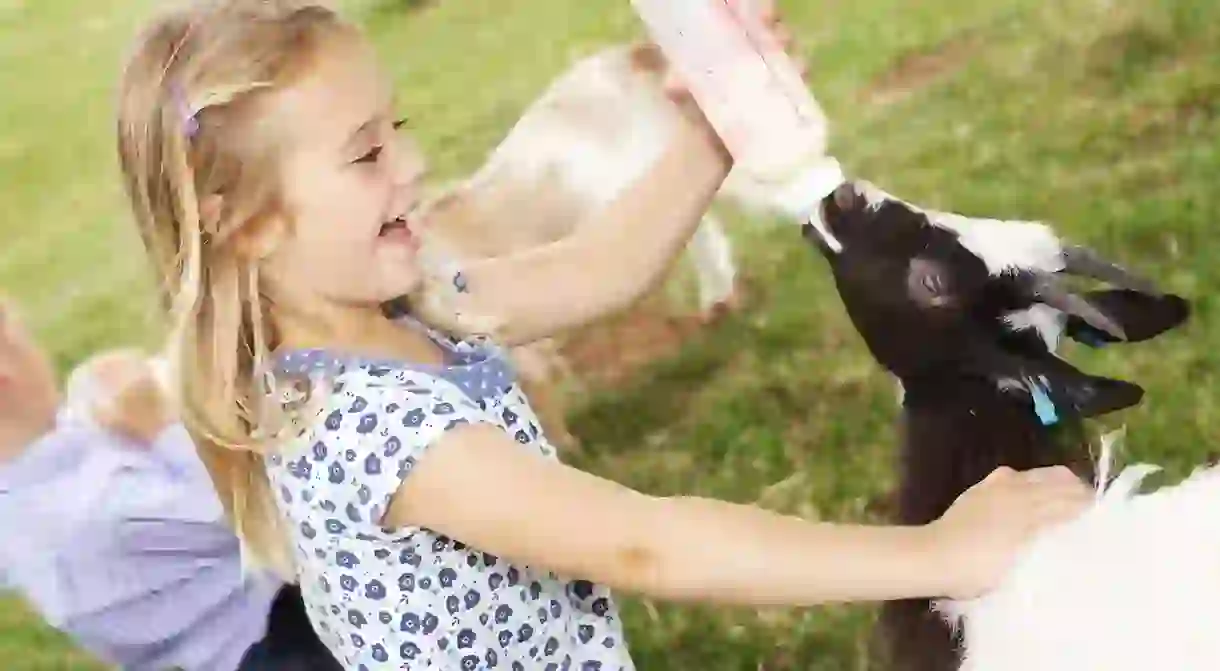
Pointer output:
x,y
1102,117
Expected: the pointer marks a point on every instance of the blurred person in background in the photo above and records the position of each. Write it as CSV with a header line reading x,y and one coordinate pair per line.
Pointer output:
x,y
112,531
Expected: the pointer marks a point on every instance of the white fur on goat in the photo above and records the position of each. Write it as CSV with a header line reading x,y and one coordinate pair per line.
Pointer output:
x,y
1001,244
1128,586
1046,321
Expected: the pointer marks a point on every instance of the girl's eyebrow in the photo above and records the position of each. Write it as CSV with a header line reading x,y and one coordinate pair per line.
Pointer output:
x,y
390,100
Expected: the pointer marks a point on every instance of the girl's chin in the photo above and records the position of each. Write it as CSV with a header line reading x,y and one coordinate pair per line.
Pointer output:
x,y
398,265
401,285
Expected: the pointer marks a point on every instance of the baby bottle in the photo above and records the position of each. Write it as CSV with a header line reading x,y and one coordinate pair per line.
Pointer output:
x,y
752,94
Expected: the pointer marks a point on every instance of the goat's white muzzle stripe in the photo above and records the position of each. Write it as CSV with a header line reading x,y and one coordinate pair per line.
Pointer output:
x,y
800,197
820,226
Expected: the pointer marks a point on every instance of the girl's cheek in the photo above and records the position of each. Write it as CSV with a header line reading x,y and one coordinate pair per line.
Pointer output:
x,y
367,190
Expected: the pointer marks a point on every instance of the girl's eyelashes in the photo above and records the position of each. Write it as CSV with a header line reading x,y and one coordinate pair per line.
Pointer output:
x,y
374,153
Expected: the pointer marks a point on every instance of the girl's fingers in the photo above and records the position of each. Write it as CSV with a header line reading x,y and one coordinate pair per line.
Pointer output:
x,y
1057,475
675,88
1001,473
768,13
9,320
1067,495
783,34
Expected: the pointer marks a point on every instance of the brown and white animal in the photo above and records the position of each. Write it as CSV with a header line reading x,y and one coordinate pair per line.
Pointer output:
x,y
597,127
967,314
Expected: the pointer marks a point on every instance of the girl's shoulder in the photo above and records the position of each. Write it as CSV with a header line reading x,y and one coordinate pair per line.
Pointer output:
x,y
363,390
362,433
341,402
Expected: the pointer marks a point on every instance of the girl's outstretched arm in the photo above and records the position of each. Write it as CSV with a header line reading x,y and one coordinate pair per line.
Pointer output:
x,y
476,485
608,262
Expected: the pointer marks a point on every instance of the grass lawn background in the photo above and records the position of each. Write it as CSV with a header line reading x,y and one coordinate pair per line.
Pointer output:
x,y
1102,117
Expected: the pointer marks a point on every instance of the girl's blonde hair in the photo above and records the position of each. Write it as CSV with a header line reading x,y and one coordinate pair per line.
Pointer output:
x,y
191,126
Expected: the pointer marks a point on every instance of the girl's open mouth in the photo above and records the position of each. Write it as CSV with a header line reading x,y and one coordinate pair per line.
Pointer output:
x,y
396,230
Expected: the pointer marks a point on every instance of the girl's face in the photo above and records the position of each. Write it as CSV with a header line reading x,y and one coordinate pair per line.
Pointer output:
x,y
351,186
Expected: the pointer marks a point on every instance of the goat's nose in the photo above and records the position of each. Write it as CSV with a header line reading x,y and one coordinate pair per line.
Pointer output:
x,y
847,197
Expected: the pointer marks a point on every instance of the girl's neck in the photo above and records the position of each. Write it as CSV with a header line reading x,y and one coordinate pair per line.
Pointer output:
x,y
359,330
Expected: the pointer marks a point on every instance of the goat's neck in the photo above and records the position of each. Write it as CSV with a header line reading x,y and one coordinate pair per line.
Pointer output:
x,y
959,430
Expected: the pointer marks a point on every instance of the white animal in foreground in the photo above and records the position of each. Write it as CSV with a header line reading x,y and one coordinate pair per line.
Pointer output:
x,y
1129,586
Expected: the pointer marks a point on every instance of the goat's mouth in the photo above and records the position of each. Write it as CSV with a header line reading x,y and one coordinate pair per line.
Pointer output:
x,y
817,231
848,196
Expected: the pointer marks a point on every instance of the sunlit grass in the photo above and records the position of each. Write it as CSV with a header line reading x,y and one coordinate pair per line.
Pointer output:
x,y
1101,117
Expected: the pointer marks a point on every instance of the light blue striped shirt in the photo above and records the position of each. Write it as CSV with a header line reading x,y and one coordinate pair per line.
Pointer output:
x,y
126,550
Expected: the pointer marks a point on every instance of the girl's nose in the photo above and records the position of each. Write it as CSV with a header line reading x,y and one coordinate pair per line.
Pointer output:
x,y
410,165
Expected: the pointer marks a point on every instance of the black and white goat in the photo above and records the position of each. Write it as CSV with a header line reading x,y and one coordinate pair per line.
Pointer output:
x,y
967,314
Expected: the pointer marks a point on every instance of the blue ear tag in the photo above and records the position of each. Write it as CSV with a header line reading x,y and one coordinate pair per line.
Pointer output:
x,y
1044,407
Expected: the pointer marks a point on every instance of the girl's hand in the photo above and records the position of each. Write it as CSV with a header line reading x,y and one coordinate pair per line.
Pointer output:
x,y
29,395
129,399
978,538
676,89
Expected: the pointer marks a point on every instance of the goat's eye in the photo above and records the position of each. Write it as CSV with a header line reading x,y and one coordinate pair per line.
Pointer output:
x,y
933,283
927,284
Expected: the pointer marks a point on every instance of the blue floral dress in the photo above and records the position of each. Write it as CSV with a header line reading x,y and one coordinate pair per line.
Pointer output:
x,y
409,598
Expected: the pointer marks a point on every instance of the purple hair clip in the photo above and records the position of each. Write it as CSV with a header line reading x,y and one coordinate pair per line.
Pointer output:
x,y
190,117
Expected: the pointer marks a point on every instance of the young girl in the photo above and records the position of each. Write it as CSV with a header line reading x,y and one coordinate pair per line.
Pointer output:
x,y
409,486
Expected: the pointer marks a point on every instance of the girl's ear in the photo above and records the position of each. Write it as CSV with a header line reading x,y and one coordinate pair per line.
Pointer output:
x,y
260,237
210,209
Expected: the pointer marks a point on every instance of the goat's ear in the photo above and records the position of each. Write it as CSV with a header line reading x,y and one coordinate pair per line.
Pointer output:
x,y
1053,386
1141,315
1091,395
1059,391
